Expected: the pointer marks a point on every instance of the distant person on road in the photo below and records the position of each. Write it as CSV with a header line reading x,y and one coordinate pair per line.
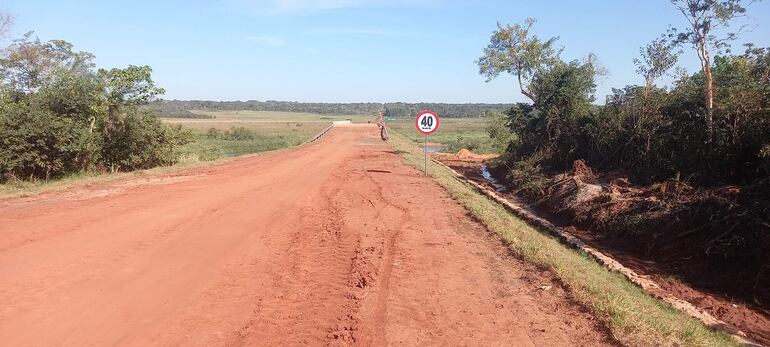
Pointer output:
x,y
383,128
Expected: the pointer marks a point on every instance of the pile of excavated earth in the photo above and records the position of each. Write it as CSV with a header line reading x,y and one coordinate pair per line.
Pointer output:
x,y
710,247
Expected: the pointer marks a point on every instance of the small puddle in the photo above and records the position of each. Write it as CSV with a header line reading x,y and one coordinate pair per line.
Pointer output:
x,y
491,180
435,149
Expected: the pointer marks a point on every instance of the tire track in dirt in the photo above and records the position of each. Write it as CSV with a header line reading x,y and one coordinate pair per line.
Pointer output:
x,y
390,235
312,304
398,190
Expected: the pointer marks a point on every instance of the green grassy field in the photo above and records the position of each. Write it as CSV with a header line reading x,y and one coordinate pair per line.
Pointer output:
x,y
272,116
266,137
270,130
454,133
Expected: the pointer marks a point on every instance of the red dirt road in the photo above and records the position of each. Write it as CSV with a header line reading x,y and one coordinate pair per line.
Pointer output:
x,y
334,243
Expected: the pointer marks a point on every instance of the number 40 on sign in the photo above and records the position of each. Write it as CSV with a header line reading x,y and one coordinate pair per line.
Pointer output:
x,y
426,122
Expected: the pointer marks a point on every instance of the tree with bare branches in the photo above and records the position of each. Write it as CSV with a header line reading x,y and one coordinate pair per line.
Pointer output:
x,y
6,22
656,58
513,49
706,19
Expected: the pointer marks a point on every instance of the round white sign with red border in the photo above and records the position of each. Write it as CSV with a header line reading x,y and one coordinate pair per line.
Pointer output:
x,y
426,122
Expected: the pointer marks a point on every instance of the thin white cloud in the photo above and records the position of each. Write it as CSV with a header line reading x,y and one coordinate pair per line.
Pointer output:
x,y
282,7
294,6
358,31
266,40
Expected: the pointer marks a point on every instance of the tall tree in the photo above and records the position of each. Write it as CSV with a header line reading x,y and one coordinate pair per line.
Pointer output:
x,y
656,58
513,49
131,86
28,63
706,18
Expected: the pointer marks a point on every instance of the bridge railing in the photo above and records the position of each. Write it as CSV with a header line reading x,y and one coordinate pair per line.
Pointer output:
x,y
321,134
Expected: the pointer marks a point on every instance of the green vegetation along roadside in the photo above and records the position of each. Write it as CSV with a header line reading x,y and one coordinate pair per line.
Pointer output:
x,y
208,147
60,116
19,188
455,134
633,317
680,171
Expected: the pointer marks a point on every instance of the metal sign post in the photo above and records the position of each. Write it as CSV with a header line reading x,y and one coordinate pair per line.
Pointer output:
x,y
425,152
426,122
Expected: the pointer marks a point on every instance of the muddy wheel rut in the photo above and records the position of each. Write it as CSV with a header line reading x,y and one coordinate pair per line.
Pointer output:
x,y
333,243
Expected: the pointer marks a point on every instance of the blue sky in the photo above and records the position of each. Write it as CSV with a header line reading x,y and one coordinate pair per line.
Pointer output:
x,y
348,50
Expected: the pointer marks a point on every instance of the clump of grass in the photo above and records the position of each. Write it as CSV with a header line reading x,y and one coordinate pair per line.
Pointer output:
x,y
527,175
633,317
201,150
14,188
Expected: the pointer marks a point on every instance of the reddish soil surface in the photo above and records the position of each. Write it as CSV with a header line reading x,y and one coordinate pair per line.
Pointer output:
x,y
334,243
753,321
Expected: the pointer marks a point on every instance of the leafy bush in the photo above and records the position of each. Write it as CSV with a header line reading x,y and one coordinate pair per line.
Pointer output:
x,y
652,134
660,134
141,141
461,142
59,116
238,134
36,144
498,131
528,178
213,133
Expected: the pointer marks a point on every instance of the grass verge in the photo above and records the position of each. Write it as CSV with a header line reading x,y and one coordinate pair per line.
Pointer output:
x,y
633,317
14,189
200,153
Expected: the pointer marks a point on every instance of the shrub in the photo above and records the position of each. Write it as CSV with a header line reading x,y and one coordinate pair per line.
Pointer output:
x,y
59,116
213,133
141,141
461,142
650,133
35,143
527,176
498,130
238,134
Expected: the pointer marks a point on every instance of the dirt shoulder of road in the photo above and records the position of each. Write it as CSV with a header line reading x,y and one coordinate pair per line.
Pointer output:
x,y
633,316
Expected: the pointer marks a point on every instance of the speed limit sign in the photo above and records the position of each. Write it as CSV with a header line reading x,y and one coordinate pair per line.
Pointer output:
x,y
426,122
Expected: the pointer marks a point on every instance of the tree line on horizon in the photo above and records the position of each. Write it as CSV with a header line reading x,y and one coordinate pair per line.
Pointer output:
x,y
467,110
184,108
